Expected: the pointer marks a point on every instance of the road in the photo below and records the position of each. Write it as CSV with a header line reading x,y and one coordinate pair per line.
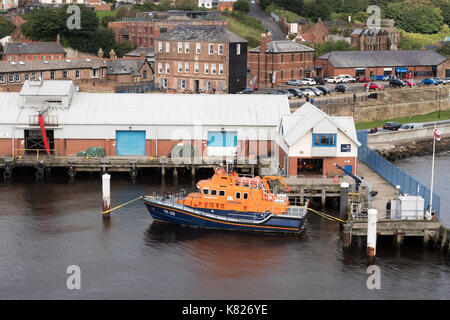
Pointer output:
x,y
258,13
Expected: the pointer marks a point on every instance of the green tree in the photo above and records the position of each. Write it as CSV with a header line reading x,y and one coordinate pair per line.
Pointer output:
x,y
331,45
121,12
42,24
104,21
416,18
444,50
241,6
165,5
265,3
6,27
185,5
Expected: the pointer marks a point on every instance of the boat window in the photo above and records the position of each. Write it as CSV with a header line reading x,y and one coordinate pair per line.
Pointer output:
x,y
245,195
238,195
221,193
205,191
214,192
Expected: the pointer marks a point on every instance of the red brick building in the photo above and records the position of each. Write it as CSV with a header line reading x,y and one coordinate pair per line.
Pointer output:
x,y
128,69
275,62
402,63
144,29
201,58
33,51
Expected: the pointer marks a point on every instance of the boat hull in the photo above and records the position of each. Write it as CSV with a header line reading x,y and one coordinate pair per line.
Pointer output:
x,y
187,216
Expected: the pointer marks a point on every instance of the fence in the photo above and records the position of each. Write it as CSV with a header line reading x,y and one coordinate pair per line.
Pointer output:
x,y
393,174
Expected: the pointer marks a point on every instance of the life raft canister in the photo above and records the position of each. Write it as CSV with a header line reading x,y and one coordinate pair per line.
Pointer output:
x,y
336,179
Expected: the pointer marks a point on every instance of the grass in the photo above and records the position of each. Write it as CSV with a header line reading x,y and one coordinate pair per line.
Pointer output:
x,y
409,40
246,27
282,13
100,14
6,27
445,115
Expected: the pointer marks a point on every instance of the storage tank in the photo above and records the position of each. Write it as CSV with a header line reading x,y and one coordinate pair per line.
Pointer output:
x,y
408,208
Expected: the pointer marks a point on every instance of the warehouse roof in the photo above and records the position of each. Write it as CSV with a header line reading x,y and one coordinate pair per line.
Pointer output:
x,y
55,64
34,48
201,33
284,46
46,88
394,58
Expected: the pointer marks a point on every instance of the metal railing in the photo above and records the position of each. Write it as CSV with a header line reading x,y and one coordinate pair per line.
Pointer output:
x,y
393,174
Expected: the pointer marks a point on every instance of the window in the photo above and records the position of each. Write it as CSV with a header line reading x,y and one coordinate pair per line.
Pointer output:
x,y
64,73
77,74
222,193
207,85
182,84
18,77
33,76
220,49
2,78
164,83
186,67
214,192
292,57
27,76
160,69
186,47
144,74
196,67
292,73
213,68
245,195
35,57
167,46
281,74
51,57
180,67
94,73
160,45
11,78
162,30
238,195
205,191
52,74
211,48
197,48
220,68
301,56
167,68
282,58
324,140
180,47
206,70
238,49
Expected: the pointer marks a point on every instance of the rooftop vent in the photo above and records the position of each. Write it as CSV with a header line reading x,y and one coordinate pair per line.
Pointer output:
x,y
12,62
21,62
68,60
88,59
45,61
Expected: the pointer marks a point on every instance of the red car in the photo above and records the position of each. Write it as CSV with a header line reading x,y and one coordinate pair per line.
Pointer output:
x,y
409,83
363,79
374,86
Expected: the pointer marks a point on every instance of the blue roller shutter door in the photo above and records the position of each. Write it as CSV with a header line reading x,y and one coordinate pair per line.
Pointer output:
x,y
130,143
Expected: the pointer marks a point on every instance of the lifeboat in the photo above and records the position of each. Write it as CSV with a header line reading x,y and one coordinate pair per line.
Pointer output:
x,y
232,202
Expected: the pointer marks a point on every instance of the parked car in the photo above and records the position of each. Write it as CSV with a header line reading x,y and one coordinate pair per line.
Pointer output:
x,y
347,78
294,82
308,81
286,92
393,126
428,81
341,88
363,79
319,80
397,83
307,92
438,80
247,91
324,89
409,126
316,91
296,92
410,83
373,86
334,79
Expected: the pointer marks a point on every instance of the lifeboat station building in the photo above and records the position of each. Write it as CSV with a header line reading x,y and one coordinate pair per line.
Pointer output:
x,y
312,142
147,125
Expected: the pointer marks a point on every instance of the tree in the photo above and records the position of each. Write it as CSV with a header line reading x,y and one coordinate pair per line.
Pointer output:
x,y
165,5
121,12
106,19
444,50
265,3
331,45
185,5
42,24
241,6
415,18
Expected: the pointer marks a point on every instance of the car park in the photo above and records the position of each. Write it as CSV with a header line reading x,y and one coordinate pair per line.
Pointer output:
x,y
341,88
296,92
316,91
294,82
373,86
429,81
392,126
308,81
307,92
347,78
397,83
286,92
247,91
363,79
319,80
410,126
324,89
334,79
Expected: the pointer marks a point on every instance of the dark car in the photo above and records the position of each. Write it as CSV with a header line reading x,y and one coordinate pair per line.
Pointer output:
x,y
397,83
247,91
324,89
296,92
319,80
341,88
393,126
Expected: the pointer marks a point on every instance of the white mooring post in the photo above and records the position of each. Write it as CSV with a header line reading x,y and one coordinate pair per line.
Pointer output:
x,y
106,188
372,232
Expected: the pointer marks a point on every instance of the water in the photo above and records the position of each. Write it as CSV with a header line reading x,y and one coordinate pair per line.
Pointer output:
x,y
47,226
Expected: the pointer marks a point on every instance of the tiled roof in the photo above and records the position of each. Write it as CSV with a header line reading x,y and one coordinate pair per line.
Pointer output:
x,y
201,33
124,66
397,58
34,48
56,64
284,46
148,51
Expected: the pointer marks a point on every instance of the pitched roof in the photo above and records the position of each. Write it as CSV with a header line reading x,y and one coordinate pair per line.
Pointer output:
x,y
33,48
55,64
284,46
201,33
124,66
148,51
394,58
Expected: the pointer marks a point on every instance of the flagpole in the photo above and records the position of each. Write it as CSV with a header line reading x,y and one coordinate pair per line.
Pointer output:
x,y
432,171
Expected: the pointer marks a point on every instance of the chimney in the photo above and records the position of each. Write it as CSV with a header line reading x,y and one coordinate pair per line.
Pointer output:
x,y
57,38
112,54
100,53
265,38
298,39
142,54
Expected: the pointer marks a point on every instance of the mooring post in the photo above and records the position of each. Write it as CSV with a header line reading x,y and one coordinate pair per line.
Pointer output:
x,y
444,240
175,173
193,172
324,197
426,238
106,188
372,232
163,172
347,235
343,213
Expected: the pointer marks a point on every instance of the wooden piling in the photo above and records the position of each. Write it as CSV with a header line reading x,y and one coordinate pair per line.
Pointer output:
x,y
324,197
343,212
444,240
372,217
426,238
106,188
347,235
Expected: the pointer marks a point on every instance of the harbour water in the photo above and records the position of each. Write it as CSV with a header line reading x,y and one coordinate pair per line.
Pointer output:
x,y
47,226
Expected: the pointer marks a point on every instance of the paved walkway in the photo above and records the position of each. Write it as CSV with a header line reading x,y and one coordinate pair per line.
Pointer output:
x,y
258,13
385,190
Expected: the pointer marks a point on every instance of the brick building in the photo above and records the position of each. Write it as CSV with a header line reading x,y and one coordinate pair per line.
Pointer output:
x,y
275,62
201,58
127,70
370,39
33,51
146,27
401,63
85,72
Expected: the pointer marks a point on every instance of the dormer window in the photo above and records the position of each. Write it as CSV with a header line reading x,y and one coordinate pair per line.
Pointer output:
x,y
324,140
